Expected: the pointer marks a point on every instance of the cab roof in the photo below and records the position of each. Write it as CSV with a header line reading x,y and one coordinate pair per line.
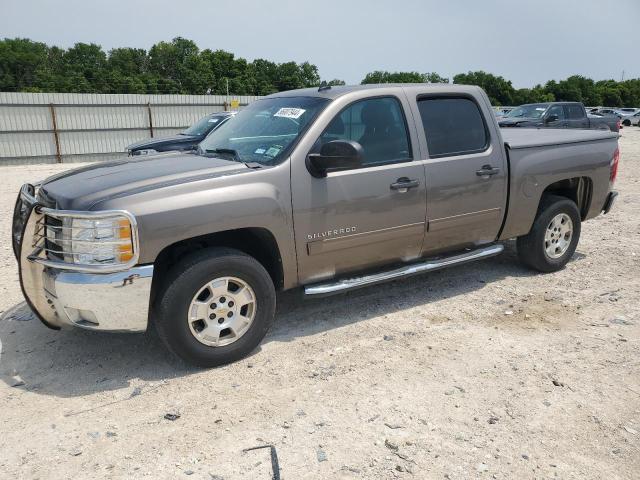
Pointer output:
x,y
341,90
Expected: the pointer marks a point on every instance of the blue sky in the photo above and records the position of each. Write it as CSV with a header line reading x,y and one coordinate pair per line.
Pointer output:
x,y
525,41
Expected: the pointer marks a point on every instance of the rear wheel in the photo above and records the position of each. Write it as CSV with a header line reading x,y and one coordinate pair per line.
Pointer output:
x,y
554,236
216,306
626,123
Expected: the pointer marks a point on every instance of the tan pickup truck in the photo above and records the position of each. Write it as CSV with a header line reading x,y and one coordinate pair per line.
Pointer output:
x,y
327,189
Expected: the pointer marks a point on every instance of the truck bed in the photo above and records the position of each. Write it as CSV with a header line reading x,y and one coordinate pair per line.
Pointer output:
x,y
540,157
515,138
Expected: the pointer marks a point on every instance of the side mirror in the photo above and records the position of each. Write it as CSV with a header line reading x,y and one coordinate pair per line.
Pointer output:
x,y
335,156
551,118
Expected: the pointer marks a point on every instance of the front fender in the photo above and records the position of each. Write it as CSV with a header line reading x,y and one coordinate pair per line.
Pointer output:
x,y
253,199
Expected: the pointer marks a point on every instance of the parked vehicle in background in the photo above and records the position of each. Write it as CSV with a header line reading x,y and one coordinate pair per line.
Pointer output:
x,y
621,113
502,111
187,140
557,115
328,189
614,112
632,120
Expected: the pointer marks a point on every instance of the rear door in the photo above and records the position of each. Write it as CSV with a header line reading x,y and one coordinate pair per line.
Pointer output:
x,y
576,116
466,171
363,217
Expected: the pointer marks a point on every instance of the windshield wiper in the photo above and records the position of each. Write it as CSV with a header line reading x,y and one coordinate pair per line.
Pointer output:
x,y
225,151
236,157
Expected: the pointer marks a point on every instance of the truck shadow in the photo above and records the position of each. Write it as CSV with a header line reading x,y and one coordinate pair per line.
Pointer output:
x,y
322,314
77,362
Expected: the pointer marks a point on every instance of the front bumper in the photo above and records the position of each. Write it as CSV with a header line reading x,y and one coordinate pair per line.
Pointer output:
x,y
115,301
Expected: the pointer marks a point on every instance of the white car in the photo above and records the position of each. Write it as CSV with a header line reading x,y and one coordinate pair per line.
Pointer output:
x,y
625,115
632,120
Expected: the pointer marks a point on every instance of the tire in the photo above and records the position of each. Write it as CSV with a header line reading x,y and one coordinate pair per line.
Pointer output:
x,y
534,248
627,123
189,290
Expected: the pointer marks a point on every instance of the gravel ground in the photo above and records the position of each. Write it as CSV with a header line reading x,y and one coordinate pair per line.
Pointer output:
x,y
485,370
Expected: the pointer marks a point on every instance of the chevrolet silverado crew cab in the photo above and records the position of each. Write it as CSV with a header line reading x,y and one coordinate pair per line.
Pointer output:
x,y
327,189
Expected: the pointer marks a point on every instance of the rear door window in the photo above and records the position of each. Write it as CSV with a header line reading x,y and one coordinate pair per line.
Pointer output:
x,y
453,126
574,112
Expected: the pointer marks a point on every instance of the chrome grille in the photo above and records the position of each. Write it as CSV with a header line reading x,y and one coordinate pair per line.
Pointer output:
x,y
53,237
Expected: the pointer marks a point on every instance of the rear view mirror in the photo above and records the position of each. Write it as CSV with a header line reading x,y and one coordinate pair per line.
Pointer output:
x,y
334,156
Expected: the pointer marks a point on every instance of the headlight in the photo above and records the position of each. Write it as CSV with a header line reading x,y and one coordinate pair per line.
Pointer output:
x,y
101,241
146,151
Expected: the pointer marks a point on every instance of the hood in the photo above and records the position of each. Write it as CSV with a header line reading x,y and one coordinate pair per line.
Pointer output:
x,y
82,188
515,121
159,142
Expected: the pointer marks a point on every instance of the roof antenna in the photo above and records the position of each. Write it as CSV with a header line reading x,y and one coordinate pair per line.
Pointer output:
x,y
324,86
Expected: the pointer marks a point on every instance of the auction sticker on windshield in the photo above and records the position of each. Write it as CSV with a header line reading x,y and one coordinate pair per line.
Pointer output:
x,y
273,151
289,112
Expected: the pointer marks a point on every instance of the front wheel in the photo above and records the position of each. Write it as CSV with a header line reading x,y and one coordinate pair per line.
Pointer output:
x,y
626,123
554,236
215,307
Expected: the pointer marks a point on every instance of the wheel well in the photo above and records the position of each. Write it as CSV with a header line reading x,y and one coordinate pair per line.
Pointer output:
x,y
578,189
257,242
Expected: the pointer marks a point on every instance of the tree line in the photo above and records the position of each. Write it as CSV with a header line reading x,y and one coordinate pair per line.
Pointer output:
x,y
607,93
179,66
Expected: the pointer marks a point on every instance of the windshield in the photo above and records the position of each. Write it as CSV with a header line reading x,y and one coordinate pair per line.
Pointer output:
x,y
529,111
204,125
263,131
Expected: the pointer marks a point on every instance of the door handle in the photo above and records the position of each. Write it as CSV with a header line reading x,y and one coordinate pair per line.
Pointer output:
x,y
487,171
403,184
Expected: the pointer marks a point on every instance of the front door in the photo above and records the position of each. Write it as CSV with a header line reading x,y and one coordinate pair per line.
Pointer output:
x,y
555,117
466,173
367,216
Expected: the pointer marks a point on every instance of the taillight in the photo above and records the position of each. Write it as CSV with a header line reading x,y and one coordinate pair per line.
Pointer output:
x,y
618,125
614,165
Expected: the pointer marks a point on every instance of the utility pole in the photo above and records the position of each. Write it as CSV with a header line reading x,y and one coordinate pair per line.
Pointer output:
x,y
226,101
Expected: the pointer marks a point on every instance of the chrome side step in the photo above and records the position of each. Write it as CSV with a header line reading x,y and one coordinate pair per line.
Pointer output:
x,y
322,289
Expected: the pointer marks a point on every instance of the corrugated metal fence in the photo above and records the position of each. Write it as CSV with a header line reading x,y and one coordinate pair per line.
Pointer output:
x,y
71,127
